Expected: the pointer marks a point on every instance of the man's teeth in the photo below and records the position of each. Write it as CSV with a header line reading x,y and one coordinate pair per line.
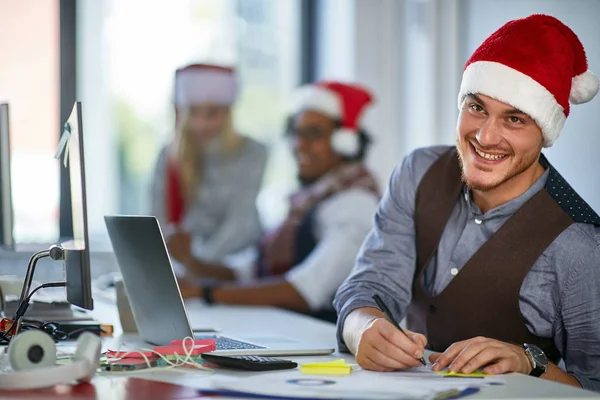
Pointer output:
x,y
491,157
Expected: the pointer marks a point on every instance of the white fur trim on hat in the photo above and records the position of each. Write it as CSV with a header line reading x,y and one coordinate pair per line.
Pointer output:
x,y
512,87
195,86
345,142
583,88
316,98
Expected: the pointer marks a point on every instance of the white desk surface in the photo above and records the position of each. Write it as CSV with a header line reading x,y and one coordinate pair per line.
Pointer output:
x,y
260,322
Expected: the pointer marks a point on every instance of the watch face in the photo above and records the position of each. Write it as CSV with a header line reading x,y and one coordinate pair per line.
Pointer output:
x,y
538,355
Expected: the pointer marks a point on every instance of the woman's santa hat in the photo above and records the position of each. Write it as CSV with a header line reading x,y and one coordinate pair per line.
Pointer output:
x,y
535,64
205,83
345,103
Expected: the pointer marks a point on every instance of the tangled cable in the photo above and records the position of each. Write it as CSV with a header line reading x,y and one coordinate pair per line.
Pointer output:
x,y
180,361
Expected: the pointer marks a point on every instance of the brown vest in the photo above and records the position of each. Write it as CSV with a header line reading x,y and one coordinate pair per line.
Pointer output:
x,y
483,299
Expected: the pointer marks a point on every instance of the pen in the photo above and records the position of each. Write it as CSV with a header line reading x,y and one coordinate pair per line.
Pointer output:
x,y
390,318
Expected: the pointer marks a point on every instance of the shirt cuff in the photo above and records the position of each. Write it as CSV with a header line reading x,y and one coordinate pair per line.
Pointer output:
x,y
354,302
351,305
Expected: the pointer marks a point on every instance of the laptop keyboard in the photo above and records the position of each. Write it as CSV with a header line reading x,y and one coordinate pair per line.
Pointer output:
x,y
225,343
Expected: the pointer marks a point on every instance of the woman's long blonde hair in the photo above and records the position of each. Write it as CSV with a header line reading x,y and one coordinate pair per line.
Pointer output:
x,y
190,160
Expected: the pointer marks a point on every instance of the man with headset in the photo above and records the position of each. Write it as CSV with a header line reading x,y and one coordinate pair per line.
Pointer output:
x,y
304,260
490,254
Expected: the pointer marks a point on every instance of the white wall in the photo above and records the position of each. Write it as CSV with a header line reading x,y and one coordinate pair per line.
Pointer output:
x,y
394,48
99,133
336,34
361,41
433,71
575,154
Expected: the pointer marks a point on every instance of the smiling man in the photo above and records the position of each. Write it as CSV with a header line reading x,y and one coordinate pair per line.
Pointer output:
x,y
304,260
490,254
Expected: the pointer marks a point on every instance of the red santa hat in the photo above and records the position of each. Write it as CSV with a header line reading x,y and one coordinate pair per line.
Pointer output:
x,y
535,64
341,101
202,83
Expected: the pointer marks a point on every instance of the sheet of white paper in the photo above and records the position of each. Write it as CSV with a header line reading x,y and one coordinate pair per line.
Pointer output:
x,y
417,383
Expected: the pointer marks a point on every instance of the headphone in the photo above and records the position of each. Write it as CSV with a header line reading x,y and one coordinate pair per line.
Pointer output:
x,y
32,355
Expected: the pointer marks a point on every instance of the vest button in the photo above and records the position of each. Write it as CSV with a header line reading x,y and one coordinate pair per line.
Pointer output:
x,y
432,309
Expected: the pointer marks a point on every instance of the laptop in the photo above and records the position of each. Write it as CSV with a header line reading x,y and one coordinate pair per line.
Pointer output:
x,y
154,295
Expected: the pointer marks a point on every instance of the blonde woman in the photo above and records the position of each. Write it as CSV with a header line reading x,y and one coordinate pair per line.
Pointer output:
x,y
207,179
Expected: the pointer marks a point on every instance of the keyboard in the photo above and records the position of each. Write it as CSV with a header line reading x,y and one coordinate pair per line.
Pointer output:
x,y
225,343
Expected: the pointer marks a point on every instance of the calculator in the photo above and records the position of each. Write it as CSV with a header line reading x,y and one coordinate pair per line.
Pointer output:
x,y
250,363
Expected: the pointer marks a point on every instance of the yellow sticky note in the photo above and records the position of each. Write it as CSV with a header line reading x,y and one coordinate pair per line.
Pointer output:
x,y
335,367
474,374
329,364
326,371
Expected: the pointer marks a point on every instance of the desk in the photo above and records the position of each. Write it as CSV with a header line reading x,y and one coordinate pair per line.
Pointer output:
x,y
250,322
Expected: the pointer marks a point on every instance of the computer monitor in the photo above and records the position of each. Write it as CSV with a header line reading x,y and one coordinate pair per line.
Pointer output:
x,y
77,251
6,209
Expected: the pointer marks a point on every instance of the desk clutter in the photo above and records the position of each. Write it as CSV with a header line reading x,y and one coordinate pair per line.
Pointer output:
x,y
180,353
58,331
32,356
339,380
47,310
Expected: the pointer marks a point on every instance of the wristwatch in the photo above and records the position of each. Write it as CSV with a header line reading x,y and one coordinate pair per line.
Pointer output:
x,y
538,359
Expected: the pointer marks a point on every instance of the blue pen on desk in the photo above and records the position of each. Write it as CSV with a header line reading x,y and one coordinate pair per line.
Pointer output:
x,y
390,318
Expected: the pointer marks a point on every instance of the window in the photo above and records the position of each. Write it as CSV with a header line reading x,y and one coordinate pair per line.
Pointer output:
x,y
127,55
29,82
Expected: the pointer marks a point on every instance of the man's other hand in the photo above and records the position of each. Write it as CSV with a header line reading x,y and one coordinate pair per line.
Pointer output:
x,y
494,356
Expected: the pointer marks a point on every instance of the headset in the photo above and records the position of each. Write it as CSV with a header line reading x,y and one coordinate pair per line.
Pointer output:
x,y
32,355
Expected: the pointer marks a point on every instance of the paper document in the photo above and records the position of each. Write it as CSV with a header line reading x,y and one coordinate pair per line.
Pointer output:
x,y
417,383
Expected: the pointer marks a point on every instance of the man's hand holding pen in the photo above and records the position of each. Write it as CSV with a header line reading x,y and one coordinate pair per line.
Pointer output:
x,y
382,347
